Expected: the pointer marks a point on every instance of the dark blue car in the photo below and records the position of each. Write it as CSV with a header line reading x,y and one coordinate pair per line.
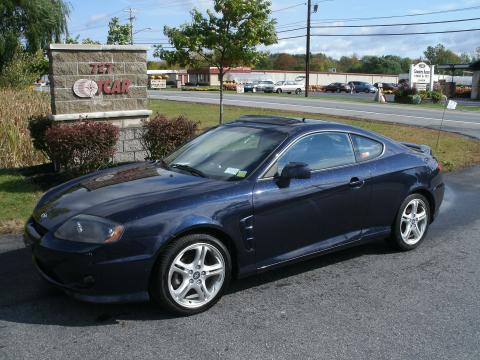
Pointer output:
x,y
239,199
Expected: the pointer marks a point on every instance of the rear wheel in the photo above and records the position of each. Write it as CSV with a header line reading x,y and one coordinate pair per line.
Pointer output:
x,y
412,222
191,274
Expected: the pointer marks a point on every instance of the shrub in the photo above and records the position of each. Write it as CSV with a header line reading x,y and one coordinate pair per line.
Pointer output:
x,y
23,70
16,107
38,126
161,136
436,96
82,146
415,99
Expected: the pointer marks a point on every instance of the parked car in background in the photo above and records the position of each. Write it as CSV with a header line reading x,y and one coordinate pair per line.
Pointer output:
x,y
361,86
250,86
241,198
257,85
338,87
388,88
266,86
288,87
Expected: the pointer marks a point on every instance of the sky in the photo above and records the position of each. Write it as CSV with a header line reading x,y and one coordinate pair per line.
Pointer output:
x,y
89,18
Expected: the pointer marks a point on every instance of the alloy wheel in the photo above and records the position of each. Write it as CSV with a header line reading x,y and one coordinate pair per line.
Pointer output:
x,y
414,221
196,275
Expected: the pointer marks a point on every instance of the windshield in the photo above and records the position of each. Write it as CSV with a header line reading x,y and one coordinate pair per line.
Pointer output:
x,y
226,153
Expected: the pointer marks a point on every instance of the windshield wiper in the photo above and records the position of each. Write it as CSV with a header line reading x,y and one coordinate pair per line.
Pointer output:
x,y
189,169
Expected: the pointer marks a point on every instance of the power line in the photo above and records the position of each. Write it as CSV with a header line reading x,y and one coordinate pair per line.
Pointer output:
x,y
400,16
404,24
402,34
86,27
380,25
384,34
289,7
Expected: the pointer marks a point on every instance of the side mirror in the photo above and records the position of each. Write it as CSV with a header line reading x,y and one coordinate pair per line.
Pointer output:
x,y
294,170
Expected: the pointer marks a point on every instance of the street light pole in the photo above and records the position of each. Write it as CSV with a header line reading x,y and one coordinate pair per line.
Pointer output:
x,y
307,55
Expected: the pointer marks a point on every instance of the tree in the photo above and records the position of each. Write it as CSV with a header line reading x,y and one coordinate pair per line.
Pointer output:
x,y
224,38
284,62
30,26
440,55
76,40
118,34
90,41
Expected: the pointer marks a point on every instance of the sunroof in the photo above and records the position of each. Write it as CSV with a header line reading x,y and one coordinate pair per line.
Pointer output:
x,y
273,120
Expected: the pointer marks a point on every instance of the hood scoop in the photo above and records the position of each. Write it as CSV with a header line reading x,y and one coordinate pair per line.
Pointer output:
x,y
118,177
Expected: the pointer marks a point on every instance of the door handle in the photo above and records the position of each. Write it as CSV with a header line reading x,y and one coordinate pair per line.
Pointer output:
x,y
356,182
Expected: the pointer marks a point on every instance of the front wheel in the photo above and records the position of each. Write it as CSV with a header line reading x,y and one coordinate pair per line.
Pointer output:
x,y
191,274
412,222
298,91
279,91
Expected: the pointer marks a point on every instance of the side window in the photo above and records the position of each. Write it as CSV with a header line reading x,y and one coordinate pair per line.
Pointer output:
x,y
318,151
365,148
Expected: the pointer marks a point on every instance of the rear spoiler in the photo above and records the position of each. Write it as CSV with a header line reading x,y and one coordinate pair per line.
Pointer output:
x,y
425,149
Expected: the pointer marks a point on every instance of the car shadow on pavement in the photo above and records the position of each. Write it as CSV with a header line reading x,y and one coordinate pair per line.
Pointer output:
x,y
26,298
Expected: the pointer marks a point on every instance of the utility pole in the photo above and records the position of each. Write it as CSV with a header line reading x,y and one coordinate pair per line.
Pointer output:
x,y
131,18
307,55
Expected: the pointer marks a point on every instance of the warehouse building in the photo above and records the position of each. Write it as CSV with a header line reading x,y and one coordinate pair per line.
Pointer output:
x,y
209,76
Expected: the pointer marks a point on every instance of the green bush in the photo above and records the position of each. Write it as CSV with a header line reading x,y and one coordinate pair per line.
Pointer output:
x,y
82,146
161,136
23,70
415,99
38,126
436,96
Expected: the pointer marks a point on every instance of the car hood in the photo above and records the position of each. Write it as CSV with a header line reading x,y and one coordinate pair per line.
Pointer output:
x,y
117,193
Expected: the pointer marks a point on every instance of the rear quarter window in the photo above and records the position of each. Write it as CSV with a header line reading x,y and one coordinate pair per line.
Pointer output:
x,y
366,148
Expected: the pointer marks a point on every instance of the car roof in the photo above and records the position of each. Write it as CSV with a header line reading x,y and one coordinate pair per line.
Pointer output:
x,y
294,125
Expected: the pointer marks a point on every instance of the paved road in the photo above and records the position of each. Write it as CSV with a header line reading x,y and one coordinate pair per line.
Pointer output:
x,y
363,303
464,122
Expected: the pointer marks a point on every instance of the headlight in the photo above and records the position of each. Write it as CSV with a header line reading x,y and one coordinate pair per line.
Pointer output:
x,y
89,229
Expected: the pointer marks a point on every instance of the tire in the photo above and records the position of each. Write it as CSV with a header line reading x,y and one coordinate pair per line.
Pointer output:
x,y
279,91
191,281
298,91
339,91
404,236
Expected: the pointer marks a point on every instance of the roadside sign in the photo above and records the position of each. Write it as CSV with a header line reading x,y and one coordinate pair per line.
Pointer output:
x,y
452,105
158,84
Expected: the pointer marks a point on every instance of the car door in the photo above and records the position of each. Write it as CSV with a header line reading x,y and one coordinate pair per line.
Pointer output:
x,y
312,214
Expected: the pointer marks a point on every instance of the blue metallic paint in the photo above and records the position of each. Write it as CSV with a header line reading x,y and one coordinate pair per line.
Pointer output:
x,y
262,224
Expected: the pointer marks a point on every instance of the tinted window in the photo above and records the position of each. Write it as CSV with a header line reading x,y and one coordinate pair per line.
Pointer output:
x,y
319,151
365,148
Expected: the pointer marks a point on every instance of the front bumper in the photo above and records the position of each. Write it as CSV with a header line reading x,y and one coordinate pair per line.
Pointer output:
x,y
89,272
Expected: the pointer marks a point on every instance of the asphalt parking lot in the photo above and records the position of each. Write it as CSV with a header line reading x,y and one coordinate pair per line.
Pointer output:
x,y
364,303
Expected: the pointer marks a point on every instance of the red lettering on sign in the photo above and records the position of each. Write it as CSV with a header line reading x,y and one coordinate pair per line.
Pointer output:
x,y
125,86
100,87
106,86
116,87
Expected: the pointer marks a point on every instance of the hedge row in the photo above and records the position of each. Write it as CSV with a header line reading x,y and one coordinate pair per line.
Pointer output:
x,y
84,146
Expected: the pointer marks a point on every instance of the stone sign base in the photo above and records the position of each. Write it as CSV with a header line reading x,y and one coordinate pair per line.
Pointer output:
x,y
129,146
102,83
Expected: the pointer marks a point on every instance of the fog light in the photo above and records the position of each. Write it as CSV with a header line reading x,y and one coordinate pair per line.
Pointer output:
x,y
89,280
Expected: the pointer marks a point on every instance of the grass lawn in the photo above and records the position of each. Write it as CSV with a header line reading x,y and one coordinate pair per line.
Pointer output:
x,y
18,194
455,151
353,99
